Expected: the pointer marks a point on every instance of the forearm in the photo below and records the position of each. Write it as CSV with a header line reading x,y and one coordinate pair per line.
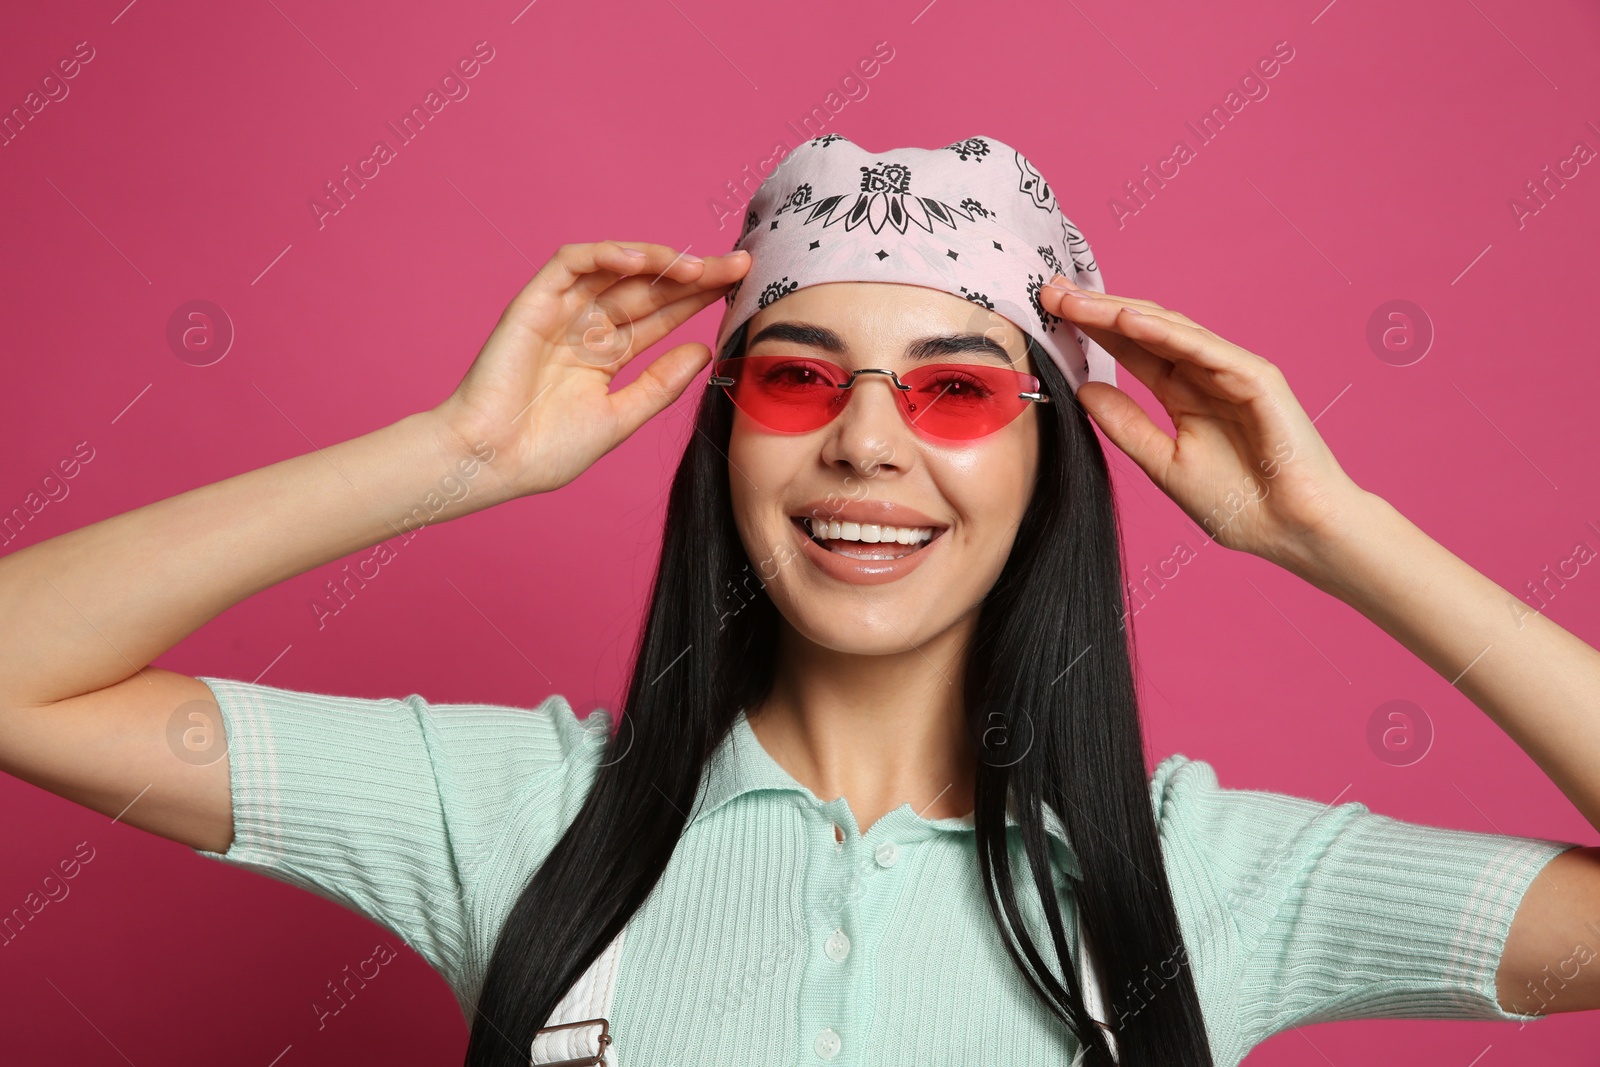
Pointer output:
x,y
92,607
1538,682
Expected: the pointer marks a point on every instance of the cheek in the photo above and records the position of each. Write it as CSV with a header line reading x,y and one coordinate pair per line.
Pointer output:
x,y
743,486
761,467
757,463
992,481
747,446
1018,465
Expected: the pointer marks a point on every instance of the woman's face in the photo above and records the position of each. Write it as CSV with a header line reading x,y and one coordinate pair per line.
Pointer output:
x,y
869,467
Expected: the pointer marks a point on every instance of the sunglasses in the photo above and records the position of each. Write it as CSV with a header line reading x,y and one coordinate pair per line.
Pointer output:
x,y
940,401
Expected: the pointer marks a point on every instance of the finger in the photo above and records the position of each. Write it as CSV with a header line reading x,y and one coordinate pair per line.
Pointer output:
x,y
1130,428
1068,304
658,261
661,322
1232,373
1146,366
658,385
1155,372
572,263
1165,337
1062,281
682,274
620,339
545,309
1172,384
632,299
1152,367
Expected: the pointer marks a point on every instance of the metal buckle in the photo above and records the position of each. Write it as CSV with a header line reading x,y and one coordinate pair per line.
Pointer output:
x,y
598,1060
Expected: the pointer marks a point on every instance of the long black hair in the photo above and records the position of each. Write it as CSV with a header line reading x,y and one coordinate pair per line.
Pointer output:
x,y
1050,705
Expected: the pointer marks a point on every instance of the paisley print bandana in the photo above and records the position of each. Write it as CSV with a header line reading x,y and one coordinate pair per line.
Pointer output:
x,y
974,218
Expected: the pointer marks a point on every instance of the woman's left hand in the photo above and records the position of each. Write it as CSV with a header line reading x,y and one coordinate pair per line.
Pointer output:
x,y
1247,464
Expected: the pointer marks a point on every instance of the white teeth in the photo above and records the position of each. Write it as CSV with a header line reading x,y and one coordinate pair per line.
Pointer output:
x,y
869,533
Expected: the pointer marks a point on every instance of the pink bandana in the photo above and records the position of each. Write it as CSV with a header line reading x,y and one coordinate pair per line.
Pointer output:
x,y
973,218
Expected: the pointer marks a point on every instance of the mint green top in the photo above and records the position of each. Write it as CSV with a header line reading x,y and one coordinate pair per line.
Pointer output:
x,y
765,930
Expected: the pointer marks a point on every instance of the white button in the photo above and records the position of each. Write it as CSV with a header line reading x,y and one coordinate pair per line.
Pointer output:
x,y
887,854
838,946
827,1044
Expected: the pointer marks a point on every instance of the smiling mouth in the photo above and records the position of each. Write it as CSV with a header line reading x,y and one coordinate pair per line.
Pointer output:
x,y
867,541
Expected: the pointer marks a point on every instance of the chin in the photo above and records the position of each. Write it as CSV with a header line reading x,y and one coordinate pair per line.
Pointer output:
x,y
855,624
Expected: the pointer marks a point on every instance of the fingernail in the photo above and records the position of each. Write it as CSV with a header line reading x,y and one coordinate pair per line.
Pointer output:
x,y
1061,281
1132,310
687,258
632,252
740,252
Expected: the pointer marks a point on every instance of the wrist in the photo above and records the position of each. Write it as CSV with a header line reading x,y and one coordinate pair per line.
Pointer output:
x,y
1331,556
470,453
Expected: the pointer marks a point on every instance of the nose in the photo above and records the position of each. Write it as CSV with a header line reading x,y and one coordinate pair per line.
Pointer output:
x,y
870,433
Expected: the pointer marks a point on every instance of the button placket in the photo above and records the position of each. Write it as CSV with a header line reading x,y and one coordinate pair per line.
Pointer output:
x,y
849,890
881,869
832,977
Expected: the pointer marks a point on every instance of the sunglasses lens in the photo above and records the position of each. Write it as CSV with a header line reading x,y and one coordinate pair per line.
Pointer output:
x,y
963,402
945,401
787,393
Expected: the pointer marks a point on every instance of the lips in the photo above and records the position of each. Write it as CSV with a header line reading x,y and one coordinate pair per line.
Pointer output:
x,y
860,562
866,540
856,551
877,512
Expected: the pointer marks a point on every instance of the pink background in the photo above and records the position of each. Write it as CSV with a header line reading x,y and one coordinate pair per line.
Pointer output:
x,y
1380,166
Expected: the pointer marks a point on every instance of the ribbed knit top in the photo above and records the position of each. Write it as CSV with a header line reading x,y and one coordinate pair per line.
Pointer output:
x,y
766,931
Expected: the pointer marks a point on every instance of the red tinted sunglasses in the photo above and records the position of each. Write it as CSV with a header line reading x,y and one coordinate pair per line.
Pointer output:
x,y
942,401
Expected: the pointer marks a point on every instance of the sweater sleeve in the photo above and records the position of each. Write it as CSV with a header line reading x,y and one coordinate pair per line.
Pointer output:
x,y
1306,912
390,806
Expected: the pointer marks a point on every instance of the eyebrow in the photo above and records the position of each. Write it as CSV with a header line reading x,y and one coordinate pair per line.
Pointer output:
x,y
814,336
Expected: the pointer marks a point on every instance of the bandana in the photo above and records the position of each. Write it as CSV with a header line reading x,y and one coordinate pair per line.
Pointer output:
x,y
975,219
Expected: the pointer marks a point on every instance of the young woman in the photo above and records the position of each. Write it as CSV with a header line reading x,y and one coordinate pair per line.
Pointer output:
x,y
879,782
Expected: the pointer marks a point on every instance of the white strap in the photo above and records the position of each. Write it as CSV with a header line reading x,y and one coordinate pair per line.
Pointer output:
x,y
588,1001
1089,979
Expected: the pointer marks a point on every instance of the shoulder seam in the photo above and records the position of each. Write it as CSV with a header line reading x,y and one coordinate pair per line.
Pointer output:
x,y
538,776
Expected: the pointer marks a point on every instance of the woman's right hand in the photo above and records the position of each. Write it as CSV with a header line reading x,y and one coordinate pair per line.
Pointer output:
x,y
539,392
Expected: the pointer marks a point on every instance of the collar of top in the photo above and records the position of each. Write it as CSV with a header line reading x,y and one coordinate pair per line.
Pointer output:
x,y
740,765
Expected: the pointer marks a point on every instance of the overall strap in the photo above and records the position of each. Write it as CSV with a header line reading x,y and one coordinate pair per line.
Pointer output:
x,y
579,1030
578,1033
1089,980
